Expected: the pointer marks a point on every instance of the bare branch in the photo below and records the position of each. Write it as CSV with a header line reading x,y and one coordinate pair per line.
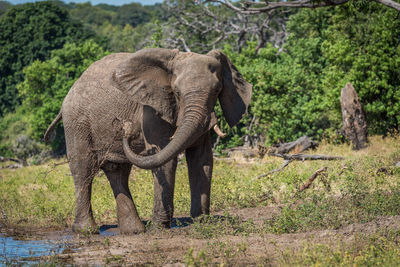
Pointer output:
x,y
389,3
205,25
253,8
284,164
268,6
312,178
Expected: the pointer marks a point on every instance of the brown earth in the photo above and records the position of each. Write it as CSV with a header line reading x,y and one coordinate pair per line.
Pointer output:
x,y
176,246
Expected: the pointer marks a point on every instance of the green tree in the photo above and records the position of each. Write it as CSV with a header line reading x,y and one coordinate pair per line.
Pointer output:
x,y
296,92
133,14
47,82
362,46
4,6
29,32
92,15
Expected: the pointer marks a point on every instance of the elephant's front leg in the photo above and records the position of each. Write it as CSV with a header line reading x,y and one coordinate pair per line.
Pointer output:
x,y
200,164
128,218
164,183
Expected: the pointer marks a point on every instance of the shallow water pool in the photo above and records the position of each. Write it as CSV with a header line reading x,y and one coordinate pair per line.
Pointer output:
x,y
21,251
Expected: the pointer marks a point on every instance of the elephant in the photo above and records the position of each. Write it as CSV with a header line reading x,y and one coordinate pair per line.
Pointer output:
x,y
144,109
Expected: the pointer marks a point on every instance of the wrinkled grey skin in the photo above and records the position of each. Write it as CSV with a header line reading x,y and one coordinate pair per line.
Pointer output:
x,y
144,109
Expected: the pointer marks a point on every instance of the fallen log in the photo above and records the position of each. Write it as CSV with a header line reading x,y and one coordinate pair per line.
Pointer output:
x,y
18,163
302,144
300,157
4,159
303,157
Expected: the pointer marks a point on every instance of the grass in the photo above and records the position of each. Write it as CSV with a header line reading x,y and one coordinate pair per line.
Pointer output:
x,y
356,192
378,249
358,189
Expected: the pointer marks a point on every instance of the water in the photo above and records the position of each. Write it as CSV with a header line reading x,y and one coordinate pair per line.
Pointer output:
x,y
21,251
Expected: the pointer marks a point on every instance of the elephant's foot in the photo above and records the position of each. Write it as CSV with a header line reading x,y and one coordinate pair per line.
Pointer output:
x,y
87,227
131,228
161,222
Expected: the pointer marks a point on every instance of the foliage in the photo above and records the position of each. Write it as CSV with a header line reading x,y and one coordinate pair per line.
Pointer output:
x,y
126,38
11,126
25,148
47,83
29,32
133,14
362,47
4,6
89,14
296,92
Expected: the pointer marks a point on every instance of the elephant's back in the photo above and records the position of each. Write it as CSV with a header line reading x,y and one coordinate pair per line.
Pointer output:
x,y
93,106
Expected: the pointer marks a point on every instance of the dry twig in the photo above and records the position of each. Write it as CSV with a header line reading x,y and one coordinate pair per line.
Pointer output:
x,y
311,179
284,164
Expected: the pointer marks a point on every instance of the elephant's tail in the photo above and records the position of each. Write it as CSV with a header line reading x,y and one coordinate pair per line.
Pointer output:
x,y
48,137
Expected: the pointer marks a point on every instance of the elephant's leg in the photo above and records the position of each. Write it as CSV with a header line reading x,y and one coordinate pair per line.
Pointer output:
x,y
128,218
164,183
200,163
83,170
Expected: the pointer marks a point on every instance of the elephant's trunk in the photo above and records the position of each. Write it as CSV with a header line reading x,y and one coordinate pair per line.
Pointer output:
x,y
193,125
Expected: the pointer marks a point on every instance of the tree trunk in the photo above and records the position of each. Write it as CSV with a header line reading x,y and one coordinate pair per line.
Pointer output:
x,y
354,122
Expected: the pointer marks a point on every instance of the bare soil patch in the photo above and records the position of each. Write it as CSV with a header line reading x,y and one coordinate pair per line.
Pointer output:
x,y
178,246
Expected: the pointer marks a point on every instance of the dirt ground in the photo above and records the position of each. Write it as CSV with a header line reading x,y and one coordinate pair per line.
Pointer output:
x,y
175,247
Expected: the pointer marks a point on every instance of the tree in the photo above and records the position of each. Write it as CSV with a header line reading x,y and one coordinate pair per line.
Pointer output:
x,y
296,92
133,14
254,7
4,6
362,47
206,26
52,79
29,32
92,14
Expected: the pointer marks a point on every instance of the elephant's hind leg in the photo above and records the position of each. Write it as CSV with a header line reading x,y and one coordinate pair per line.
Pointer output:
x,y
128,218
83,169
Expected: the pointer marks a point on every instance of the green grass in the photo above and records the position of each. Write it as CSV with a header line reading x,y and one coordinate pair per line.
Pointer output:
x,y
378,249
358,189
352,190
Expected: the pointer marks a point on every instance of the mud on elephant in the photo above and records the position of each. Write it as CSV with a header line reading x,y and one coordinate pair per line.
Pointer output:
x,y
144,109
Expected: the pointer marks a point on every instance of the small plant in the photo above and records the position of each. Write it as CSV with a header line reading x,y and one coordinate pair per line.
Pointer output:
x,y
114,259
201,259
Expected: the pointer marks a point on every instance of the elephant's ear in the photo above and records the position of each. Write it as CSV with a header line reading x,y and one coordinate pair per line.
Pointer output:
x,y
146,76
236,93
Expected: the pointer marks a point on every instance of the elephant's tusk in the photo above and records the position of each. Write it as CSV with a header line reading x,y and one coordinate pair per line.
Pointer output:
x,y
218,131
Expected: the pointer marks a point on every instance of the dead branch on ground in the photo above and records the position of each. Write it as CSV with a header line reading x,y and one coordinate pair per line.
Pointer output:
x,y
284,164
303,157
311,179
289,158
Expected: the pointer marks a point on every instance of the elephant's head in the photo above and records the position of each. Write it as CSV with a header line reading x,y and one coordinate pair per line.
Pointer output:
x,y
196,81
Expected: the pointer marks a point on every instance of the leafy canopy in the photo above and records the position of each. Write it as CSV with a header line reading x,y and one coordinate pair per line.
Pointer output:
x,y
29,32
48,82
